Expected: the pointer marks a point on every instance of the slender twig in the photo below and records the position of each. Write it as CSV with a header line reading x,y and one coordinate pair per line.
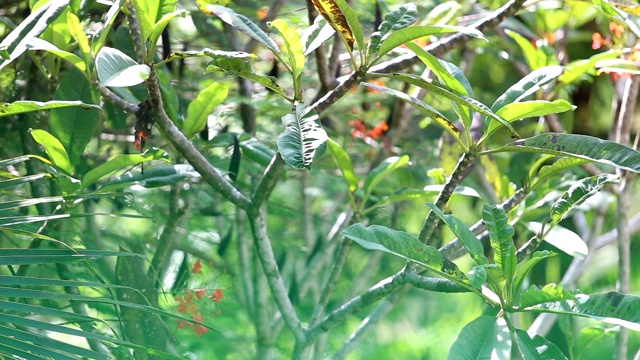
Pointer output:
x,y
268,181
529,247
115,99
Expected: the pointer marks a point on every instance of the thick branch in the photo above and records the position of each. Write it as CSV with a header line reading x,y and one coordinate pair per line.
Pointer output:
x,y
268,181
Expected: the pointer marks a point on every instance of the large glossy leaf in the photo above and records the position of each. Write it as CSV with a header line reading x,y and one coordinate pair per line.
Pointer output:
x,y
563,239
121,162
609,307
19,107
548,171
243,24
202,106
536,348
14,44
117,69
74,126
406,246
147,12
344,20
395,20
437,66
422,106
303,139
380,172
579,193
550,292
579,146
400,37
501,237
486,337
343,162
77,31
294,51
55,150
468,239
526,109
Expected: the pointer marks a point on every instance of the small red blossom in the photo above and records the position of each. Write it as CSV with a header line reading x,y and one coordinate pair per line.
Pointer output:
x,y
197,267
616,29
597,41
200,293
199,329
198,317
183,324
217,295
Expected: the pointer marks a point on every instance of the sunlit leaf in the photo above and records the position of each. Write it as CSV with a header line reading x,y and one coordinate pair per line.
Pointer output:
x,y
316,34
202,106
116,69
19,107
400,37
380,172
579,193
55,150
501,237
303,139
294,51
536,348
343,162
343,19
550,292
486,337
564,239
395,20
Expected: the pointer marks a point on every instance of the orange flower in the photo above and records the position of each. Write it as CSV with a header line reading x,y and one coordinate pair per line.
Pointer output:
x,y
197,267
199,329
198,317
616,29
200,293
597,41
263,12
217,295
378,130
183,324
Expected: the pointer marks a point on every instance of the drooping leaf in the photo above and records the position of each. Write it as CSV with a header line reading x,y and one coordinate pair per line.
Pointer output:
x,y
294,52
537,348
522,271
344,20
243,24
548,171
527,86
116,69
202,106
234,163
579,146
406,246
395,20
154,177
609,307
501,237
14,44
437,66
383,170
74,126
43,45
486,337
534,56
343,162
403,36
550,292
468,239
303,138
6,184
121,162
316,34
527,109
54,149
19,107
423,107
579,193
564,239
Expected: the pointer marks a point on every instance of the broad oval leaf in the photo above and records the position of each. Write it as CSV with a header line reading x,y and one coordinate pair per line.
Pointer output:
x,y
19,107
400,37
120,162
579,146
343,19
243,24
342,160
77,32
550,292
53,147
201,107
609,307
537,348
116,69
563,239
486,337
579,193
406,246
501,237
462,232
303,138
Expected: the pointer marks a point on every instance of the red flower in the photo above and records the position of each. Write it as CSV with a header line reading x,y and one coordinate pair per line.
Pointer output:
x,y
200,293
183,324
217,295
616,29
197,267
596,41
199,329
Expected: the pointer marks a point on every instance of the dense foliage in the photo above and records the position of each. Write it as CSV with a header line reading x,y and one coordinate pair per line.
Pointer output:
x,y
330,178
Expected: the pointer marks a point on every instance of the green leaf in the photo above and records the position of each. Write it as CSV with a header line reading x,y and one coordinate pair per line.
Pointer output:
x,y
574,70
501,236
395,20
403,36
344,20
536,348
303,139
154,177
428,194
39,44
579,146
19,107
423,107
294,51
437,66
116,69
243,24
546,172
14,44
406,246
534,57
462,232
74,126
621,66
550,292
100,37
527,86
54,149
159,27
202,106
579,193
526,109
77,32
383,170
120,162
316,34
609,307
564,239
6,184
147,12
477,276
486,337
522,272
343,162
